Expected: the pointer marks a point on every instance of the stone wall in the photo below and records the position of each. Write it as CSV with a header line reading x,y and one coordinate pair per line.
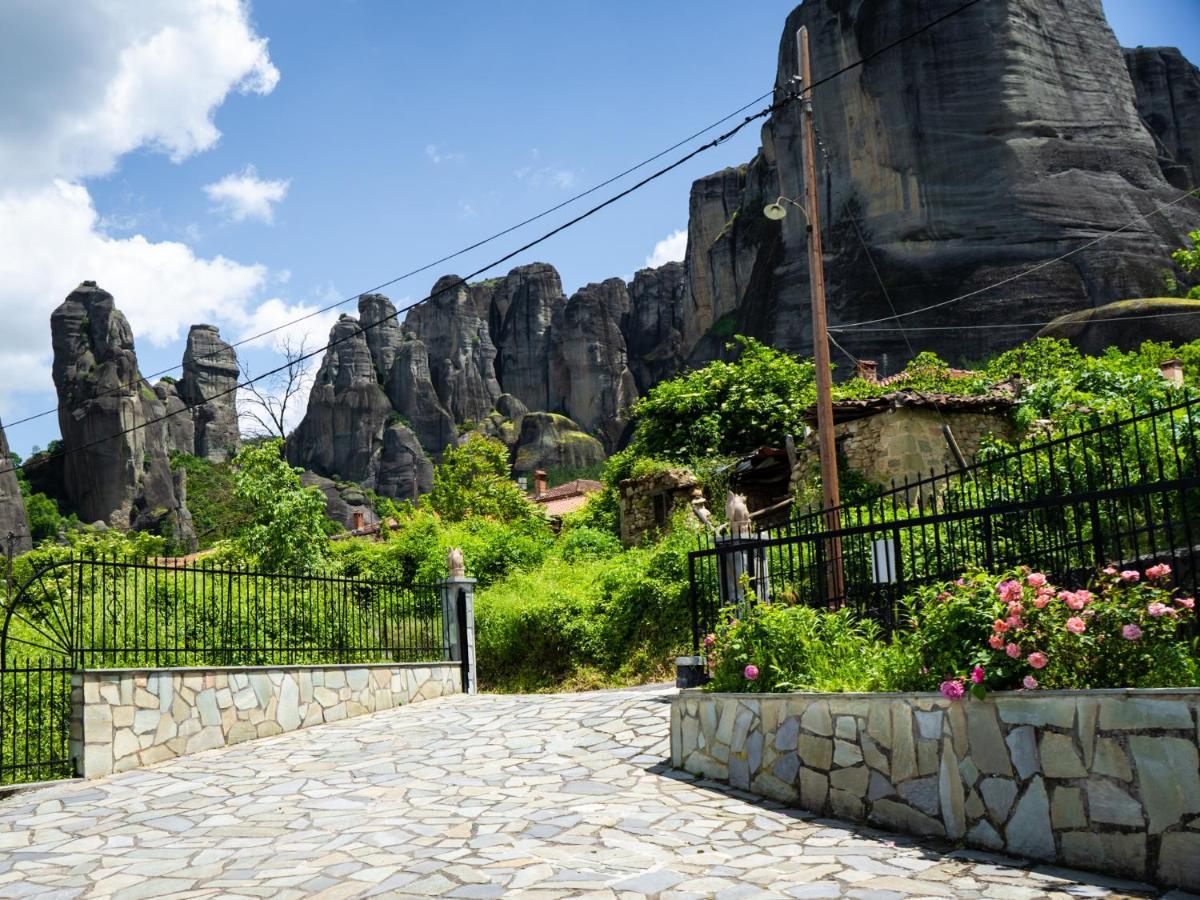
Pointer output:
x,y
906,442
125,718
1101,780
647,501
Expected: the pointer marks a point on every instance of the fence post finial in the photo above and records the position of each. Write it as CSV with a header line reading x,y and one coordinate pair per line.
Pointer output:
x,y
455,567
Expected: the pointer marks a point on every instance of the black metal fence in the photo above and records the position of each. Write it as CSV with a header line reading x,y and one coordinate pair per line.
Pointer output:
x,y
1124,491
95,612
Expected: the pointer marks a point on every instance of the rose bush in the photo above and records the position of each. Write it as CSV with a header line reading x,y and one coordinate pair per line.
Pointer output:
x,y
977,634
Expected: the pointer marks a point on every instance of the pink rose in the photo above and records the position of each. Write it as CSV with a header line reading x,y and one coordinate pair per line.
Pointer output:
x,y
1038,659
1041,601
977,675
1075,625
1162,570
709,640
996,642
1013,651
952,690
1015,623
1035,579
1157,609
1131,632
1015,608
1109,570
999,626
1186,602
1075,601
1130,576
751,672
1009,590
1030,683
961,582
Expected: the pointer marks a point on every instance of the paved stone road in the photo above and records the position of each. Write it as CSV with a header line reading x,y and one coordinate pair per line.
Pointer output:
x,y
543,796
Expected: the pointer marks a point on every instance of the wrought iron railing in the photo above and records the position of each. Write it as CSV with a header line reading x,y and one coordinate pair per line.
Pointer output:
x,y
1124,491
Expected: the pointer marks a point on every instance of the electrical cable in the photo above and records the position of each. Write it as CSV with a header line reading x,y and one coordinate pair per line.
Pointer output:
x,y
789,96
424,268
1019,275
716,142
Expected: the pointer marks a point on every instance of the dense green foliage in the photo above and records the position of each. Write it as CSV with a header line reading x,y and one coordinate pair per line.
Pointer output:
x,y
1188,259
474,480
286,529
725,408
41,511
218,511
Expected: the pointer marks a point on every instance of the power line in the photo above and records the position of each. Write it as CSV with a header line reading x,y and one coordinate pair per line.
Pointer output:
x,y
788,97
424,268
1195,312
1018,275
716,142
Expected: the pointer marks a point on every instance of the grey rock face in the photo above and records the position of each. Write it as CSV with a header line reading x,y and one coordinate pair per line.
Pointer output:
x,y
342,431
955,181
209,385
590,380
181,430
1167,89
521,315
115,469
411,392
12,507
350,430
341,503
454,327
653,327
377,316
551,441
1128,324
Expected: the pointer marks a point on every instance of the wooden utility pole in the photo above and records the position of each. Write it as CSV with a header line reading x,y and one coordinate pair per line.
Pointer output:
x,y
836,584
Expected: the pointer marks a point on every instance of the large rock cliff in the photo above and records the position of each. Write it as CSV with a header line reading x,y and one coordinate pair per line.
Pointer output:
x,y
351,431
1167,87
999,140
12,506
209,386
115,465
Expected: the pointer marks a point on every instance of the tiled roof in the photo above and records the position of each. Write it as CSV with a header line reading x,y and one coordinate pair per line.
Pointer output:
x,y
577,488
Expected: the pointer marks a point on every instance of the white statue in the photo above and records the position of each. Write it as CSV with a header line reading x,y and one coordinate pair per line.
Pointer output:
x,y
737,514
455,566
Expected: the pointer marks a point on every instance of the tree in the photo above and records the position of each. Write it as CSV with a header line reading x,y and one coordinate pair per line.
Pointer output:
x,y
726,408
473,480
266,401
1188,259
286,530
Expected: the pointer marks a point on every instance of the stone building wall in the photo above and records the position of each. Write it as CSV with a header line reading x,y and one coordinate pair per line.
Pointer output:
x,y
1101,780
906,442
648,501
125,718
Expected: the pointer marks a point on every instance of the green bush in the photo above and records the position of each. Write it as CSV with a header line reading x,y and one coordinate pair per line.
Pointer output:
x,y
796,648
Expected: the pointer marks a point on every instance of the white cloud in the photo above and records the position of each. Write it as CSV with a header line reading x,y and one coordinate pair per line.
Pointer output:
x,y
438,155
672,248
547,176
243,195
82,84
85,82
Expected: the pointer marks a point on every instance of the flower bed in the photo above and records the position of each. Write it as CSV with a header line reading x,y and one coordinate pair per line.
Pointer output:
x,y
1053,724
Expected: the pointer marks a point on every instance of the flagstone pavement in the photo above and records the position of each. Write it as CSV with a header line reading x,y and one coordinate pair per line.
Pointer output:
x,y
482,796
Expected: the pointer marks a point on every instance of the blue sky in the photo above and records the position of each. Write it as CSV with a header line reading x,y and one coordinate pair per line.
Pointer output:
x,y
398,132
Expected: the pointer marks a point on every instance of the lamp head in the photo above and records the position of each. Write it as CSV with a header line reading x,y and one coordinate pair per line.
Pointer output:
x,y
775,211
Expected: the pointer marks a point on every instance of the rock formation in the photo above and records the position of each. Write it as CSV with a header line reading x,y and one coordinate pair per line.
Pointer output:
x,y
588,367
1128,323
1167,88
12,506
344,503
521,312
181,427
209,387
653,327
351,431
955,181
115,466
551,441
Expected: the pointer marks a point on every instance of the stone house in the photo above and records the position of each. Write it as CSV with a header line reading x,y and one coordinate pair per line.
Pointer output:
x,y
648,501
902,435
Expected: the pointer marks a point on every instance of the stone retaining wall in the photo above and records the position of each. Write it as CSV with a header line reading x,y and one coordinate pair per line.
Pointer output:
x,y
125,718
1101,780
